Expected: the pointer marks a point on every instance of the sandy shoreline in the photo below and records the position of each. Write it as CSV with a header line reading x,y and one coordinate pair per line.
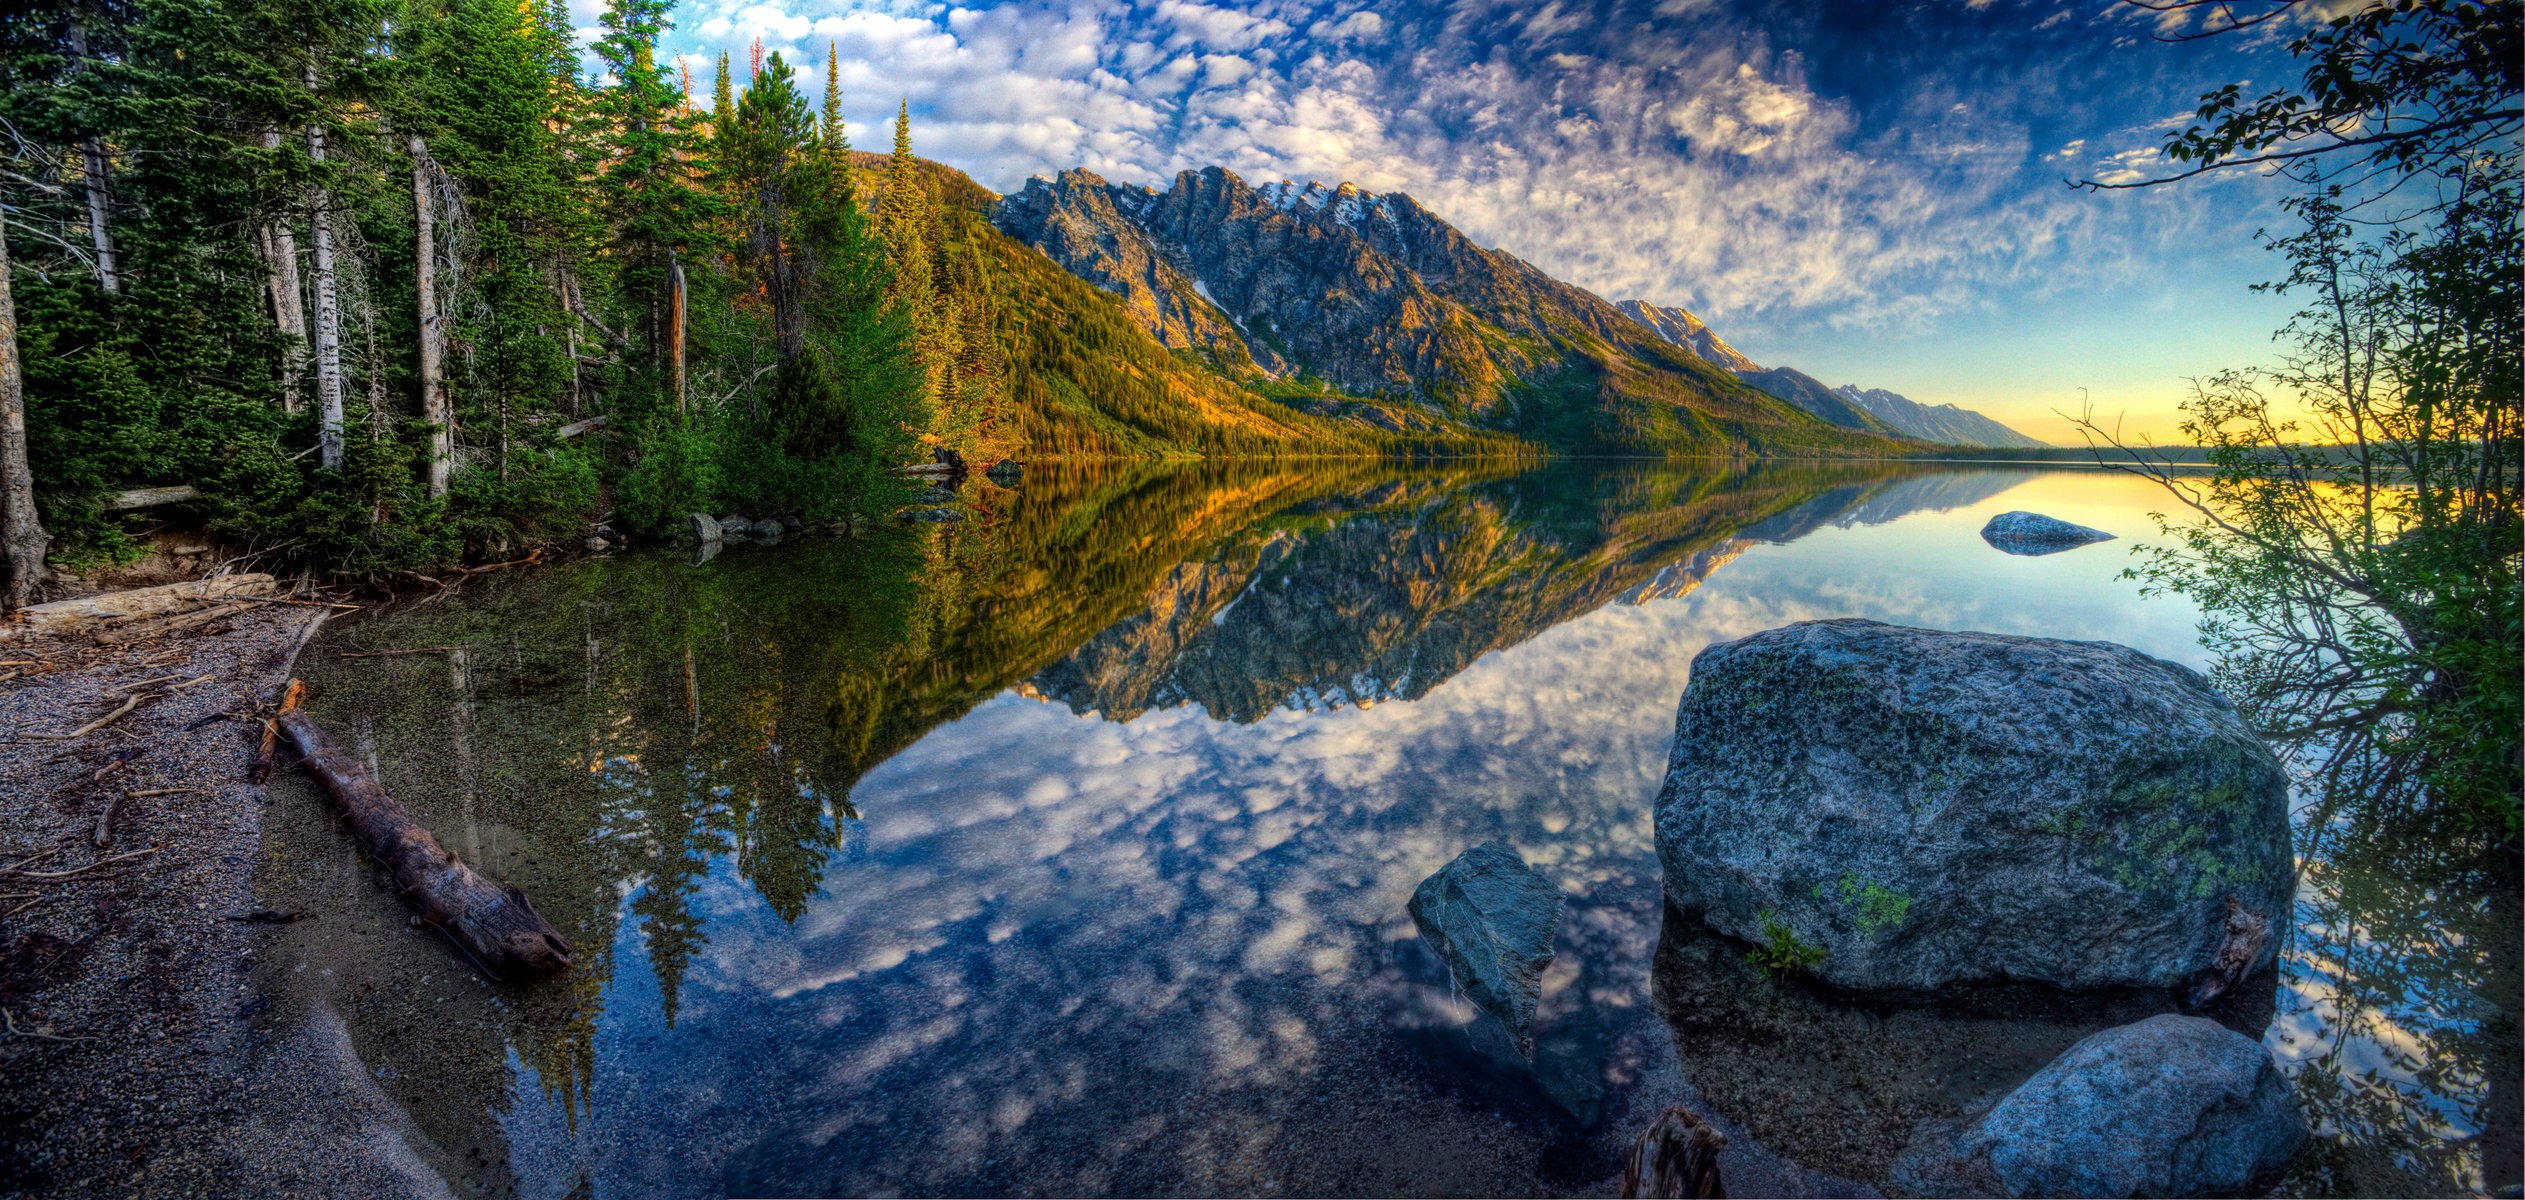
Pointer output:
x,y
144,1061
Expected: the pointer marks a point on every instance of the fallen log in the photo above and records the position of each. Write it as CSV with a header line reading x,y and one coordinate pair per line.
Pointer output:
x,y
64,616
491,921
151,497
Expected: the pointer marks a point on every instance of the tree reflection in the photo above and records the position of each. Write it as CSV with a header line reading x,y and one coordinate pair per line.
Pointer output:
x,y
2399,1016
644,738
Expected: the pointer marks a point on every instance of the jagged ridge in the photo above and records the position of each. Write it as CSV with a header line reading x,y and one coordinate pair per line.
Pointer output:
x,y
1335,287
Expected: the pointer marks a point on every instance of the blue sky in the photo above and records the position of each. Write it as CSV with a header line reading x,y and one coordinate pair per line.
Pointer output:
x,y
1872,193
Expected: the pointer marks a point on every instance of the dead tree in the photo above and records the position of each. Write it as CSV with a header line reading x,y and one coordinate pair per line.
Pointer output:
x,y
92,172
433,334
289,303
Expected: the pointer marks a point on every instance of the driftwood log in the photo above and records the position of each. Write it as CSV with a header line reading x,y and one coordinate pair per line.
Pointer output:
x,y
1676,1159
2247,932
492,921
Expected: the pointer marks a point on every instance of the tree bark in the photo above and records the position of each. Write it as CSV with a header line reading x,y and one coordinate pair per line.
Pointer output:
x,y
425,269
289,303
22,536
92,169
675,301
494,923
328,305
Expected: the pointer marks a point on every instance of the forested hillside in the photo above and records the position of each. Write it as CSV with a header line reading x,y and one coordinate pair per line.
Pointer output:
x,y
394,283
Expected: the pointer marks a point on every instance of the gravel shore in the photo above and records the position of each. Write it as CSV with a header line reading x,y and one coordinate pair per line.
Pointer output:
x,y
137,1057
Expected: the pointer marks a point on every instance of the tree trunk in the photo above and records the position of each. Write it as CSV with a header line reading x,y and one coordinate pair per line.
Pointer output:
x,y
493,923
570,330
22,536
289,303
675,331
425,269
328,306
92,168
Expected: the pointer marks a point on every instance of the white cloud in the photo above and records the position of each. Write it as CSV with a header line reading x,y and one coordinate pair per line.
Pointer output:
x,y
1683,159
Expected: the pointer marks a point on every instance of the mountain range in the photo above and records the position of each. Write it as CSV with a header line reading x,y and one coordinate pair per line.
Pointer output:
x,y
1368,310
1848,406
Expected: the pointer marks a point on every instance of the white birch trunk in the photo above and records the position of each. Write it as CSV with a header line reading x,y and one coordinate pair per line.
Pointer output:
x,y
328,307
425,269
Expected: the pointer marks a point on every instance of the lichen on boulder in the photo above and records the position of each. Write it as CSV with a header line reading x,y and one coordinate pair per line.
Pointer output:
x,y
1927,808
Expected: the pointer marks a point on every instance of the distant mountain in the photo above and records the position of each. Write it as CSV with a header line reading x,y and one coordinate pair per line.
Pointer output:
x,y
1688,331
1809,393
1945,424
1327,288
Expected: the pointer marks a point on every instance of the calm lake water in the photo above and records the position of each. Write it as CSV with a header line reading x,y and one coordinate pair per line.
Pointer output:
x,y
1066,850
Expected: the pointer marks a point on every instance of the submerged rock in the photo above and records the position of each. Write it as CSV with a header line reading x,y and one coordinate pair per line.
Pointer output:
x,y
1007,472
1492,918
934,516
768,530
2034,533
1896,808
2171,1106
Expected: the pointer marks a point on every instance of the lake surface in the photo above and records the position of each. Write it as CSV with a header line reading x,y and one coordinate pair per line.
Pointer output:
x,y
1066,850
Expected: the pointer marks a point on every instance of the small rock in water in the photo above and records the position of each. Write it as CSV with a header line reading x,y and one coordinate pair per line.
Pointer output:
x,y
598,544
1491,918
2033,533
792,524
705,528
935,516
2170,1106
1007,472
768,530
1895,808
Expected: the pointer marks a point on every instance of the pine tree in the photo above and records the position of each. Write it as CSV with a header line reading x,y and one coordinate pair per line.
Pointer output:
x,y
903,214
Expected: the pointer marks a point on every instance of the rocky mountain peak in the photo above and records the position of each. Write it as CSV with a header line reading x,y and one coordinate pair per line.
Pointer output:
x,y
1688,331
1374,294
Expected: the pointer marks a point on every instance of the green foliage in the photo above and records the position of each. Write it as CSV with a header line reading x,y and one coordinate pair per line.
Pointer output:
x,y
675,472
2354,547
1872,905
1782,950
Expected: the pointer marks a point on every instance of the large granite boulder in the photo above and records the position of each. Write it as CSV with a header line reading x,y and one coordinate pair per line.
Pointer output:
x,y
2034,533
1895,808
2171,1106
1491,917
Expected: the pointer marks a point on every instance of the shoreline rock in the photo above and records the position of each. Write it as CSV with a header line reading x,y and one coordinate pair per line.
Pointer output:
x,y
2029,534
1905,809
2170,1106
1492,918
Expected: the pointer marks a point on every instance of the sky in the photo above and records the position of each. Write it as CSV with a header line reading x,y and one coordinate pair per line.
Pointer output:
x,y
1873,193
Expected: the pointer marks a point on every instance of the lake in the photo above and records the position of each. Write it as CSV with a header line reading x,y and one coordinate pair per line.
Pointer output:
x,y
1066,849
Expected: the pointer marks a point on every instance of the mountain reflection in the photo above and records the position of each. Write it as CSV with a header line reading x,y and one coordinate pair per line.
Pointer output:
x,y
655,719
1386,592
1064,849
